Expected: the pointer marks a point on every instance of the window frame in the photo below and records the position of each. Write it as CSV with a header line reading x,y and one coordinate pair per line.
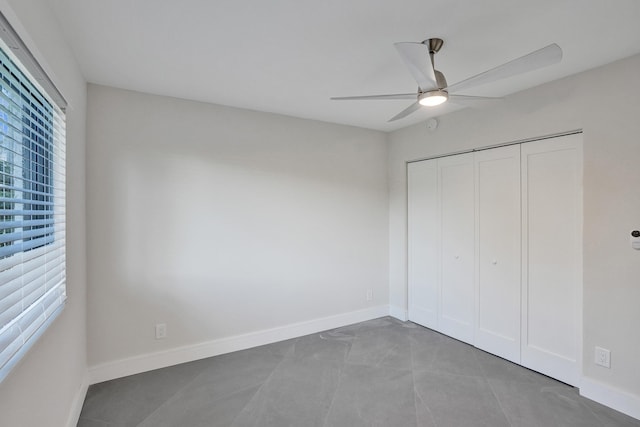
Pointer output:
x,y
32,200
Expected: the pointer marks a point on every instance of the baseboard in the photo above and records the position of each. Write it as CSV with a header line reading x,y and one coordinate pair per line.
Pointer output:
x,y
619,400
78,401
150,361
398,313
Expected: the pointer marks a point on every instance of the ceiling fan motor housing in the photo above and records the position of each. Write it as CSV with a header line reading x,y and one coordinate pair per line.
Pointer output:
x,y
432,98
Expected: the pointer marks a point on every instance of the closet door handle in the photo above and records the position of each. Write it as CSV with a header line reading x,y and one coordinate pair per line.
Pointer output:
x,y
494,262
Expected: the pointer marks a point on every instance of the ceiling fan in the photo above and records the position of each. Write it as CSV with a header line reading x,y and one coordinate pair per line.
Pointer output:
x,y
432,86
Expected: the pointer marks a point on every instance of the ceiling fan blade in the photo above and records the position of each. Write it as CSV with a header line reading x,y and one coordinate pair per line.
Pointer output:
x,y
391,96
548,55
471,101
418,60
404,113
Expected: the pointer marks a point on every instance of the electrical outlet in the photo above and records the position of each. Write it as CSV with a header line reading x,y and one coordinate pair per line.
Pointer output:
x,y
161,331
603,357
369,294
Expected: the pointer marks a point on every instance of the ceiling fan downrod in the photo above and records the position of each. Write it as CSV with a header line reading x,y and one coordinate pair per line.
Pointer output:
x,y
434,45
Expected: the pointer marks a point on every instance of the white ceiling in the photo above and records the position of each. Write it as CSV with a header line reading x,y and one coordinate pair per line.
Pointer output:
x,y
290,56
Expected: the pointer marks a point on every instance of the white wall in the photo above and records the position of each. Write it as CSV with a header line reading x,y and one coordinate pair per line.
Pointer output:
x,y
222,222
48,386
611,127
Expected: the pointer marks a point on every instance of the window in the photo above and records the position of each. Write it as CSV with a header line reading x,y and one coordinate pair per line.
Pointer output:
x,y
32,207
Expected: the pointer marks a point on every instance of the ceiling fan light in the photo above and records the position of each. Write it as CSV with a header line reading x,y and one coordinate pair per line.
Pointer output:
x,y
433,98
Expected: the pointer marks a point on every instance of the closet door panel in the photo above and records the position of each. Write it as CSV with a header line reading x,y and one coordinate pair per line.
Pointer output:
x,y
423,239
456,194
552,257
498,251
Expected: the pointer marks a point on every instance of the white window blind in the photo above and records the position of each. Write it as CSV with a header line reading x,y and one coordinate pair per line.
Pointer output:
x,y
32,208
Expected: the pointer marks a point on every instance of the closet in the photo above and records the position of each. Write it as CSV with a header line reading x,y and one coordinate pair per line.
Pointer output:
x,y
494,251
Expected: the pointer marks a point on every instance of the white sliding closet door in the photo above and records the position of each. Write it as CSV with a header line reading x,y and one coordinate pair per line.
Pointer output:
x,y
424,241
498,251
457,220
552,256
495,251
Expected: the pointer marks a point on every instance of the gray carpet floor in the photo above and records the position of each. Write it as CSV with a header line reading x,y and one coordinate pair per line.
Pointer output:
x,y
378,373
